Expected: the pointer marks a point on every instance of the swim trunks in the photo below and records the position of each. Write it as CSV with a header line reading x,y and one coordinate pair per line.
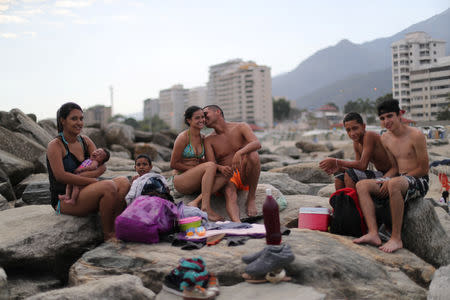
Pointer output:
x,y
357,175
236,179
417,187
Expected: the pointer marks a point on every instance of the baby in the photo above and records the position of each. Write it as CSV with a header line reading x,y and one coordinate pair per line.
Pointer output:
x,y
98,158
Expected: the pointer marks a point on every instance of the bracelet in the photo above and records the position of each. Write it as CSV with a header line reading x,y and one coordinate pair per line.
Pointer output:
x,y
337,164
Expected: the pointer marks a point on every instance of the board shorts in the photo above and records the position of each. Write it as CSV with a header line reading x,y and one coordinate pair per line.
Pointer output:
x,y
236,179
357,175
417,187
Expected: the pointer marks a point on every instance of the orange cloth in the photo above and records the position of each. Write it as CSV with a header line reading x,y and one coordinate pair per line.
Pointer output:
x,y
236,179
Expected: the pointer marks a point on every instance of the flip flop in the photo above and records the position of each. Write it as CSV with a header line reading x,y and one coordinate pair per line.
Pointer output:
x,y
248,278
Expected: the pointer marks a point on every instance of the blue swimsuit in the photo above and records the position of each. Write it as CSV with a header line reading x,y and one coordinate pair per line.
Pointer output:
x,y
189,151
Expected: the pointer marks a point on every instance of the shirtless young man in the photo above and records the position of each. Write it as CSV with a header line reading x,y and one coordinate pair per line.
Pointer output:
x,y
233,147
407,149
368,148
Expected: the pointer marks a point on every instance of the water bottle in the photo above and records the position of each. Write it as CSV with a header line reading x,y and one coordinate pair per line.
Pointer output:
x,y
271,219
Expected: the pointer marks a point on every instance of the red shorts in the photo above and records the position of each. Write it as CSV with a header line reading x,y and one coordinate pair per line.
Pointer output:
x,y
236,179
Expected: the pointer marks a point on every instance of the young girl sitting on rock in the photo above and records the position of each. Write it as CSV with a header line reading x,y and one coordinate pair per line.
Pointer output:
x,y
97,158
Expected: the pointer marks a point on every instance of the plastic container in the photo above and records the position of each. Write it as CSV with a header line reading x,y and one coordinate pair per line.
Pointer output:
x,y
190,222
271,219
315,218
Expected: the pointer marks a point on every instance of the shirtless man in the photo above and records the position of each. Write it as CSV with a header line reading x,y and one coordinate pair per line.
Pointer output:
x,y
233,147
368,148
407,150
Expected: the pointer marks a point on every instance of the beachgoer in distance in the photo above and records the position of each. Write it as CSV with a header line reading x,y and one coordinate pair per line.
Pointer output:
x,y
233,146
407,150
188,159
142,165
368,148
97,158
64,154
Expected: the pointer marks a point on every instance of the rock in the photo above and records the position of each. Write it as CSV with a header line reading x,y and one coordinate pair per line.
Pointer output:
x,y
309,147
36,238
33,178
440,285
112,287
4,291
314,188
96,135
337,154
326,191
30,128
163,152
121,134
19,203
331,264
120,150
162,166
272,165
330,146
163,140
123,154
6,189
15,168
284,183
142,136
444,219
29,284
24,148
266,158
292,152
306,173
422,233
49,125
145,148
218,202
4,203
37,191
264,150
120,164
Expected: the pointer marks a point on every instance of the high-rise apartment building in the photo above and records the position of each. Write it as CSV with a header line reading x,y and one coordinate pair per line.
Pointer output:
x,y
243,90
430,89
97,115
172,104
198,96
415,51
151,108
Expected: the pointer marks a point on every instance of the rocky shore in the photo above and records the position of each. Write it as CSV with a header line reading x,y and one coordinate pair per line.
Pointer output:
x,y
49,256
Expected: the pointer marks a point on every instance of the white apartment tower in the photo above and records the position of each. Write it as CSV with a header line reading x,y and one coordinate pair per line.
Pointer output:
x,y
172,104
415,51
243,90
198,96
151,108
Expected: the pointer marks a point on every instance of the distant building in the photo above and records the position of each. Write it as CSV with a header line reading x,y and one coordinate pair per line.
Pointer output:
x,y
97,115
198,96
413,52
327,115
151,108
172,104
430,89
243,90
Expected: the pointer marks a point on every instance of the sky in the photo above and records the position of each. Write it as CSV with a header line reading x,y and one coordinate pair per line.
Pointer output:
x,y
52,52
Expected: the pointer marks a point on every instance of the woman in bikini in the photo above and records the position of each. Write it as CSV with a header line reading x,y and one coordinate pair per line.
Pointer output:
x,y
193,174
64,154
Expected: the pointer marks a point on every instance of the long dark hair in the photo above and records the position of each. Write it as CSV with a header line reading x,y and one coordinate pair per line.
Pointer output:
x,y
189,112
64,111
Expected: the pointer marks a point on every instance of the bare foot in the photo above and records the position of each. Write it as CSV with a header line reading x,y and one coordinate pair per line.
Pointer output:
x,y
111,238
214,217
194,203
391,246
371,239
251,208
69,201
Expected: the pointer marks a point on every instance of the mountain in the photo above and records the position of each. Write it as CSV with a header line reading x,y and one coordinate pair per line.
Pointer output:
x,y
346,60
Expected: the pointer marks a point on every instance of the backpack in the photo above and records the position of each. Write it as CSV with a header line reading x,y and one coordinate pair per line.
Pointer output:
x,y
347,218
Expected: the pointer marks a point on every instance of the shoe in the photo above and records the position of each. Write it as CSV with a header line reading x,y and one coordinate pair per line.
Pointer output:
x,y
213,284
251,257
274,258
197,293
171,287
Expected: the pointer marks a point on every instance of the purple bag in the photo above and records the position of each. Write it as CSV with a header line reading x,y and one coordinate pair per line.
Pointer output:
x,y
145,218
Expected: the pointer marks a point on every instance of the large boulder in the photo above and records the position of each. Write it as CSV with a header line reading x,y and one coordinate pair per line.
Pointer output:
x,y
423,234
331,264
121,134
145,148
306,173
142,136
49,125
15,168
284,183
440,285
162,139
164,153
24,148
30,128
4,203
308,147
444,218
96,135
37,190
25,284
114,287
4,292
292,152
6,189
36,238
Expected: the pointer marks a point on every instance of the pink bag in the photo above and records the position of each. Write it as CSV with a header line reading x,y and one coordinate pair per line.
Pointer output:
x,y
145,218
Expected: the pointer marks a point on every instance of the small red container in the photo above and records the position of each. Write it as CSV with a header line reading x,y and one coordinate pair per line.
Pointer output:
x,y
315,218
